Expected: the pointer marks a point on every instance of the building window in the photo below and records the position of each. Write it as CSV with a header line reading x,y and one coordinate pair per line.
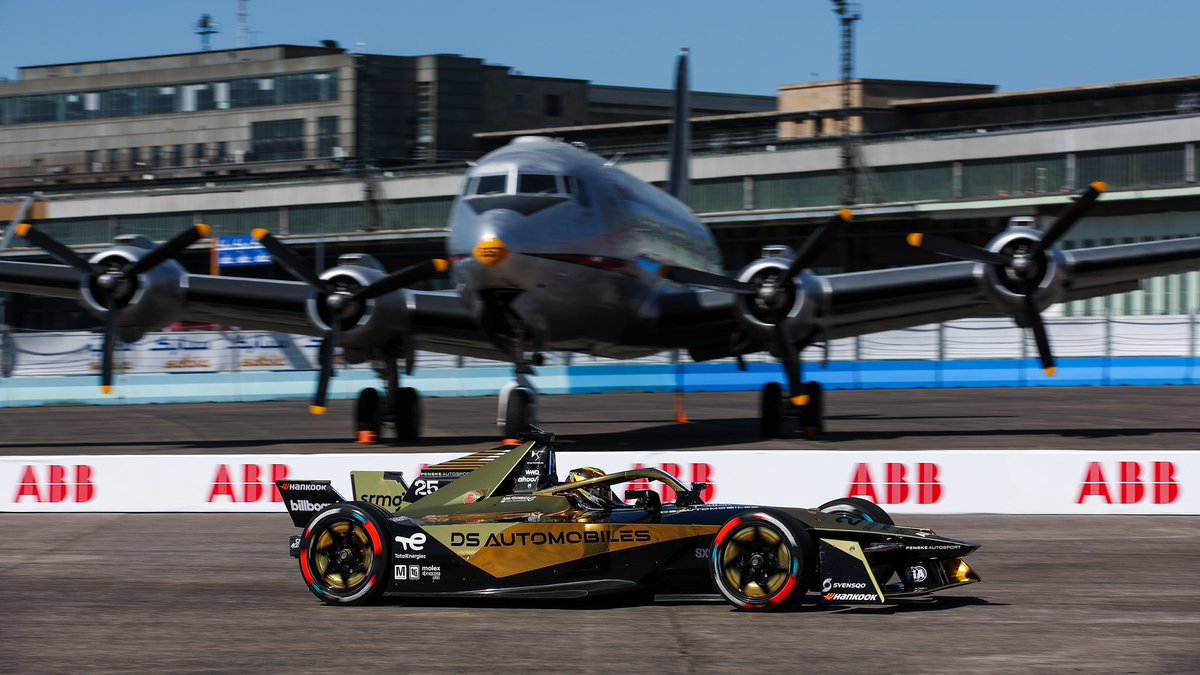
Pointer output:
x,y
277,140
135,158
327,136
114,159
177,156
553,105
92,161
198,156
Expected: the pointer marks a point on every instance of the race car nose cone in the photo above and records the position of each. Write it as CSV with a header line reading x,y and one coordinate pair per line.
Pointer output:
x,y
490,252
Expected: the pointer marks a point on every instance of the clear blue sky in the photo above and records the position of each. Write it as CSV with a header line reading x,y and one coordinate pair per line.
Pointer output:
x,y
746,46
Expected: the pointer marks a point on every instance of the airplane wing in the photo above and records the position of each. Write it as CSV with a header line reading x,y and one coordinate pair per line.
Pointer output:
x,y
437,319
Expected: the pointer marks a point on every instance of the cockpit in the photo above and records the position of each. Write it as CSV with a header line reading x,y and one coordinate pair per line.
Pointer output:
x,y
492,189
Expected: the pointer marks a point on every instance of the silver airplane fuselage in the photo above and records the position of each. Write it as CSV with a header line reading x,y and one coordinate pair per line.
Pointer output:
x,y
554,243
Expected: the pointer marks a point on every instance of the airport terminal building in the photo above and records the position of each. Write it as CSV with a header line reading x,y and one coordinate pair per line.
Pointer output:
x,y
337,152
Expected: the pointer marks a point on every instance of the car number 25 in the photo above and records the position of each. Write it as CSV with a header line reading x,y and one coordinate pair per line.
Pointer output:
x,y
422,488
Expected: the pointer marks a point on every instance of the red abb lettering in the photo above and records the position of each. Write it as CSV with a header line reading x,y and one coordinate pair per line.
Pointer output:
x,y
1132,489
252,485
896,488
700,473
58,485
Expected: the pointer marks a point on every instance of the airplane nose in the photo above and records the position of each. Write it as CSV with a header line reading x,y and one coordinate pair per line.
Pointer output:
x,y
490,252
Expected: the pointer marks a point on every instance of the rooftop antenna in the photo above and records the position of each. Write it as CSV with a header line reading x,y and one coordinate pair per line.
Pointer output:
x,y
849,14
241,26
206,27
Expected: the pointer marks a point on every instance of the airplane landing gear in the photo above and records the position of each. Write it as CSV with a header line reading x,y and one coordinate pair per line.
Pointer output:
x,y
517,410
774,410
400,406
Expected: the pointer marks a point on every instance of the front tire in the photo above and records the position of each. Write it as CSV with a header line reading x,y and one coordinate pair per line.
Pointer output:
x,y
760,562
344,555
857,508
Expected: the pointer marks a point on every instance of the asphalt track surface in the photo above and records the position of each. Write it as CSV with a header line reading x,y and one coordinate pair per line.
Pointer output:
x,y
203,593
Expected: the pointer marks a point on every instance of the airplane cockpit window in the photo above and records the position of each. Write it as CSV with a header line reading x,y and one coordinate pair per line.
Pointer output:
x,y
576,187
496,184
538,184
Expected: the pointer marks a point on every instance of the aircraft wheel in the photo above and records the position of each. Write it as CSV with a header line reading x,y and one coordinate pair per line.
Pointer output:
x,y
770,410
344,555
517,414
366,412
406,414
760,562
812,416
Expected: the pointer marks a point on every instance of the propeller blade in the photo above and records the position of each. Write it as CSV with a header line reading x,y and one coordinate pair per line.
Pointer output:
x,y
327,345
106,362
59,251
816,241
716,282
1034,318
169,249
400,279
952,248
290,261
1064,222
789,358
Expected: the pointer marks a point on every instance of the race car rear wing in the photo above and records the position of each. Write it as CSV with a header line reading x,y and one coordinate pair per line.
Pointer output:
x,y
304,498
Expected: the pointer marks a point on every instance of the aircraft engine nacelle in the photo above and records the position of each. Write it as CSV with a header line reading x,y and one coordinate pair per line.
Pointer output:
x,y
793,301
146,302
1042,277
364,323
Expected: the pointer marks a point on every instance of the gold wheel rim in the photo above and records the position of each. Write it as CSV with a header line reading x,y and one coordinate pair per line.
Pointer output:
x,y
756,561
342,556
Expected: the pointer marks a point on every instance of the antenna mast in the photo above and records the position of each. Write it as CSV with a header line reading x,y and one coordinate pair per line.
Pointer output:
x,y
241,27
206,27
848,14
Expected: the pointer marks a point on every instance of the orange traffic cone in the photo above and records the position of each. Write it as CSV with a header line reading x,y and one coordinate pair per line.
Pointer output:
x,y
680,413
366,438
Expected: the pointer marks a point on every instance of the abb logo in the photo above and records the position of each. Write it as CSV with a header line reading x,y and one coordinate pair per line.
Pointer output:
x,y
1130,488
253,481
60,484
699,473
896,487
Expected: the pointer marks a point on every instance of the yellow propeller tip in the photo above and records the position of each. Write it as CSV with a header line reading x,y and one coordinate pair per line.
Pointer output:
x,y
259,234
800,401
846,215
23,229
1050,372
105,389
1100,186
203,229
440,265
915,239
316,410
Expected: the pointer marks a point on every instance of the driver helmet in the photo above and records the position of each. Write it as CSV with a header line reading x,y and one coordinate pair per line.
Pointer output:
x,y
596,497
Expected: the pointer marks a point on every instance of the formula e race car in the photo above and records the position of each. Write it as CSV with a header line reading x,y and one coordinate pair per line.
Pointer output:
x,y
498,523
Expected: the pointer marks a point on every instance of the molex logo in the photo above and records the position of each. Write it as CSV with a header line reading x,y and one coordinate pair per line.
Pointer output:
x,y
1160,486
246,483
55,484
924,486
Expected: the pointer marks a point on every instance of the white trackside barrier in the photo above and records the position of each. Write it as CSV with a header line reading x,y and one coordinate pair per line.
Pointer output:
x,y
1005,482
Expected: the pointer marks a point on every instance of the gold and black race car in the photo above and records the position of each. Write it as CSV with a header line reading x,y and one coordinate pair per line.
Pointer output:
x,y
498,523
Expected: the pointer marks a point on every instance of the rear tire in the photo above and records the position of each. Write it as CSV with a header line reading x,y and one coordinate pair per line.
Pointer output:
x,y
344,555
761,562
